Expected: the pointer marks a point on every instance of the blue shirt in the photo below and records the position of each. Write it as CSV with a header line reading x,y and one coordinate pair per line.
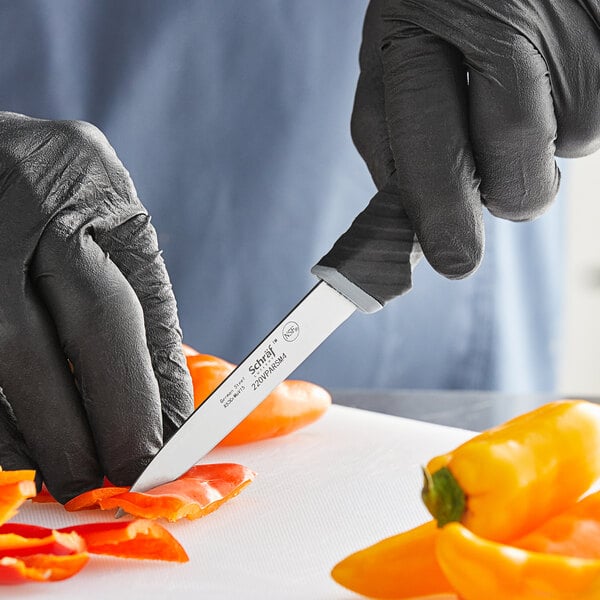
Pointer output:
x,y
233,120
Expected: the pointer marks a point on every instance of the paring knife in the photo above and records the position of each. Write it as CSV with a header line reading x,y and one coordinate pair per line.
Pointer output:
x,y
370,264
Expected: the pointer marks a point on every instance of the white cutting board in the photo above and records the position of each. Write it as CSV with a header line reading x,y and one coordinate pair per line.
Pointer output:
x,y
321,493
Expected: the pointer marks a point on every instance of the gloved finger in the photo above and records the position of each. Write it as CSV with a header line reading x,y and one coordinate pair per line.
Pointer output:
x,y
100,325
575,75
133,247
513,128
368,124
37,383
426,108
14,453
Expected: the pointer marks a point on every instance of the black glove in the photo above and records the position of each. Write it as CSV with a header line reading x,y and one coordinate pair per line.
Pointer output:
x,y
81,278
463,102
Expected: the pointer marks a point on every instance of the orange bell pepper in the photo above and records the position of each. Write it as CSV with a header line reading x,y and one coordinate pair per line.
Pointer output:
x,y
290,406
198,492
482,569
510,479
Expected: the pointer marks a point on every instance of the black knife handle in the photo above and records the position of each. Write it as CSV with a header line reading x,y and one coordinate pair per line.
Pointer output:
x,y
372,262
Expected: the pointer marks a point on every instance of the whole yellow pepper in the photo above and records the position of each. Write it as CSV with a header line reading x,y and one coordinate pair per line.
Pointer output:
x,y
510,479
480,569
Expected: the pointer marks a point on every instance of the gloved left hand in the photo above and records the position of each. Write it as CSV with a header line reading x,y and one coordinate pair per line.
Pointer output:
x,y
81,281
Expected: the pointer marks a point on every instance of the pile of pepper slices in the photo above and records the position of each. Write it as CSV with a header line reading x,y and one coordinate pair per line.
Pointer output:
x,y
511,517
32,553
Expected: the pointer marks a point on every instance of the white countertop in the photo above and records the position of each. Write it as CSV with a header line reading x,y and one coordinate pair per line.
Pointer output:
x,y
320,493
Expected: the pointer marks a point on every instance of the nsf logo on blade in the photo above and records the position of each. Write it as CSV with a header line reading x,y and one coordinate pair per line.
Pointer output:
x,y
290,331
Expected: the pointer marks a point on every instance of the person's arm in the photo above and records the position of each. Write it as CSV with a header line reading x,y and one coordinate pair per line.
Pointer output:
x,y
82,282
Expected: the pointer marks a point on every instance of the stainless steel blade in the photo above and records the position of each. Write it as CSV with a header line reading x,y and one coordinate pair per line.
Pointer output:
x,y
320,312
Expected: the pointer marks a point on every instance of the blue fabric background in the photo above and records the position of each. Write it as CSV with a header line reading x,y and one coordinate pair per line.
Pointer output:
x,y
233,120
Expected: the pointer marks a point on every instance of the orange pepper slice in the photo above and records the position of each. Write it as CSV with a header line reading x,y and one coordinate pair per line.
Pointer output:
x,y
46,555
198,492
139,538
7,477
44,541
93,498
40,567
32,553
12,495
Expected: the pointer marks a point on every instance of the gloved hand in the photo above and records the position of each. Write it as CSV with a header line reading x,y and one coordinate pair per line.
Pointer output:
x,y
81,278
464,102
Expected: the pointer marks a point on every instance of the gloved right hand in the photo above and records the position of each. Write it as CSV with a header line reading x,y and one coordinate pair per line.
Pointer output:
x,y
464,102
81,278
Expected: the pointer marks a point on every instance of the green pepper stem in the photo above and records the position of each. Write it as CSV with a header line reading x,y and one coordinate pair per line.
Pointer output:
x,y
443,496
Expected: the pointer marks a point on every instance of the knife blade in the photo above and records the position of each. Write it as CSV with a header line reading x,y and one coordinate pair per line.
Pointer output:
x,y
298,334
370,264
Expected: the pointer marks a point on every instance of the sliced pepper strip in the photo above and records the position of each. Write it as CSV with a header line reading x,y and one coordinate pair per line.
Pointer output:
x,y
198,492
93,498
140,538
40,567
44,541
510,479
12,495
31,553
479,568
